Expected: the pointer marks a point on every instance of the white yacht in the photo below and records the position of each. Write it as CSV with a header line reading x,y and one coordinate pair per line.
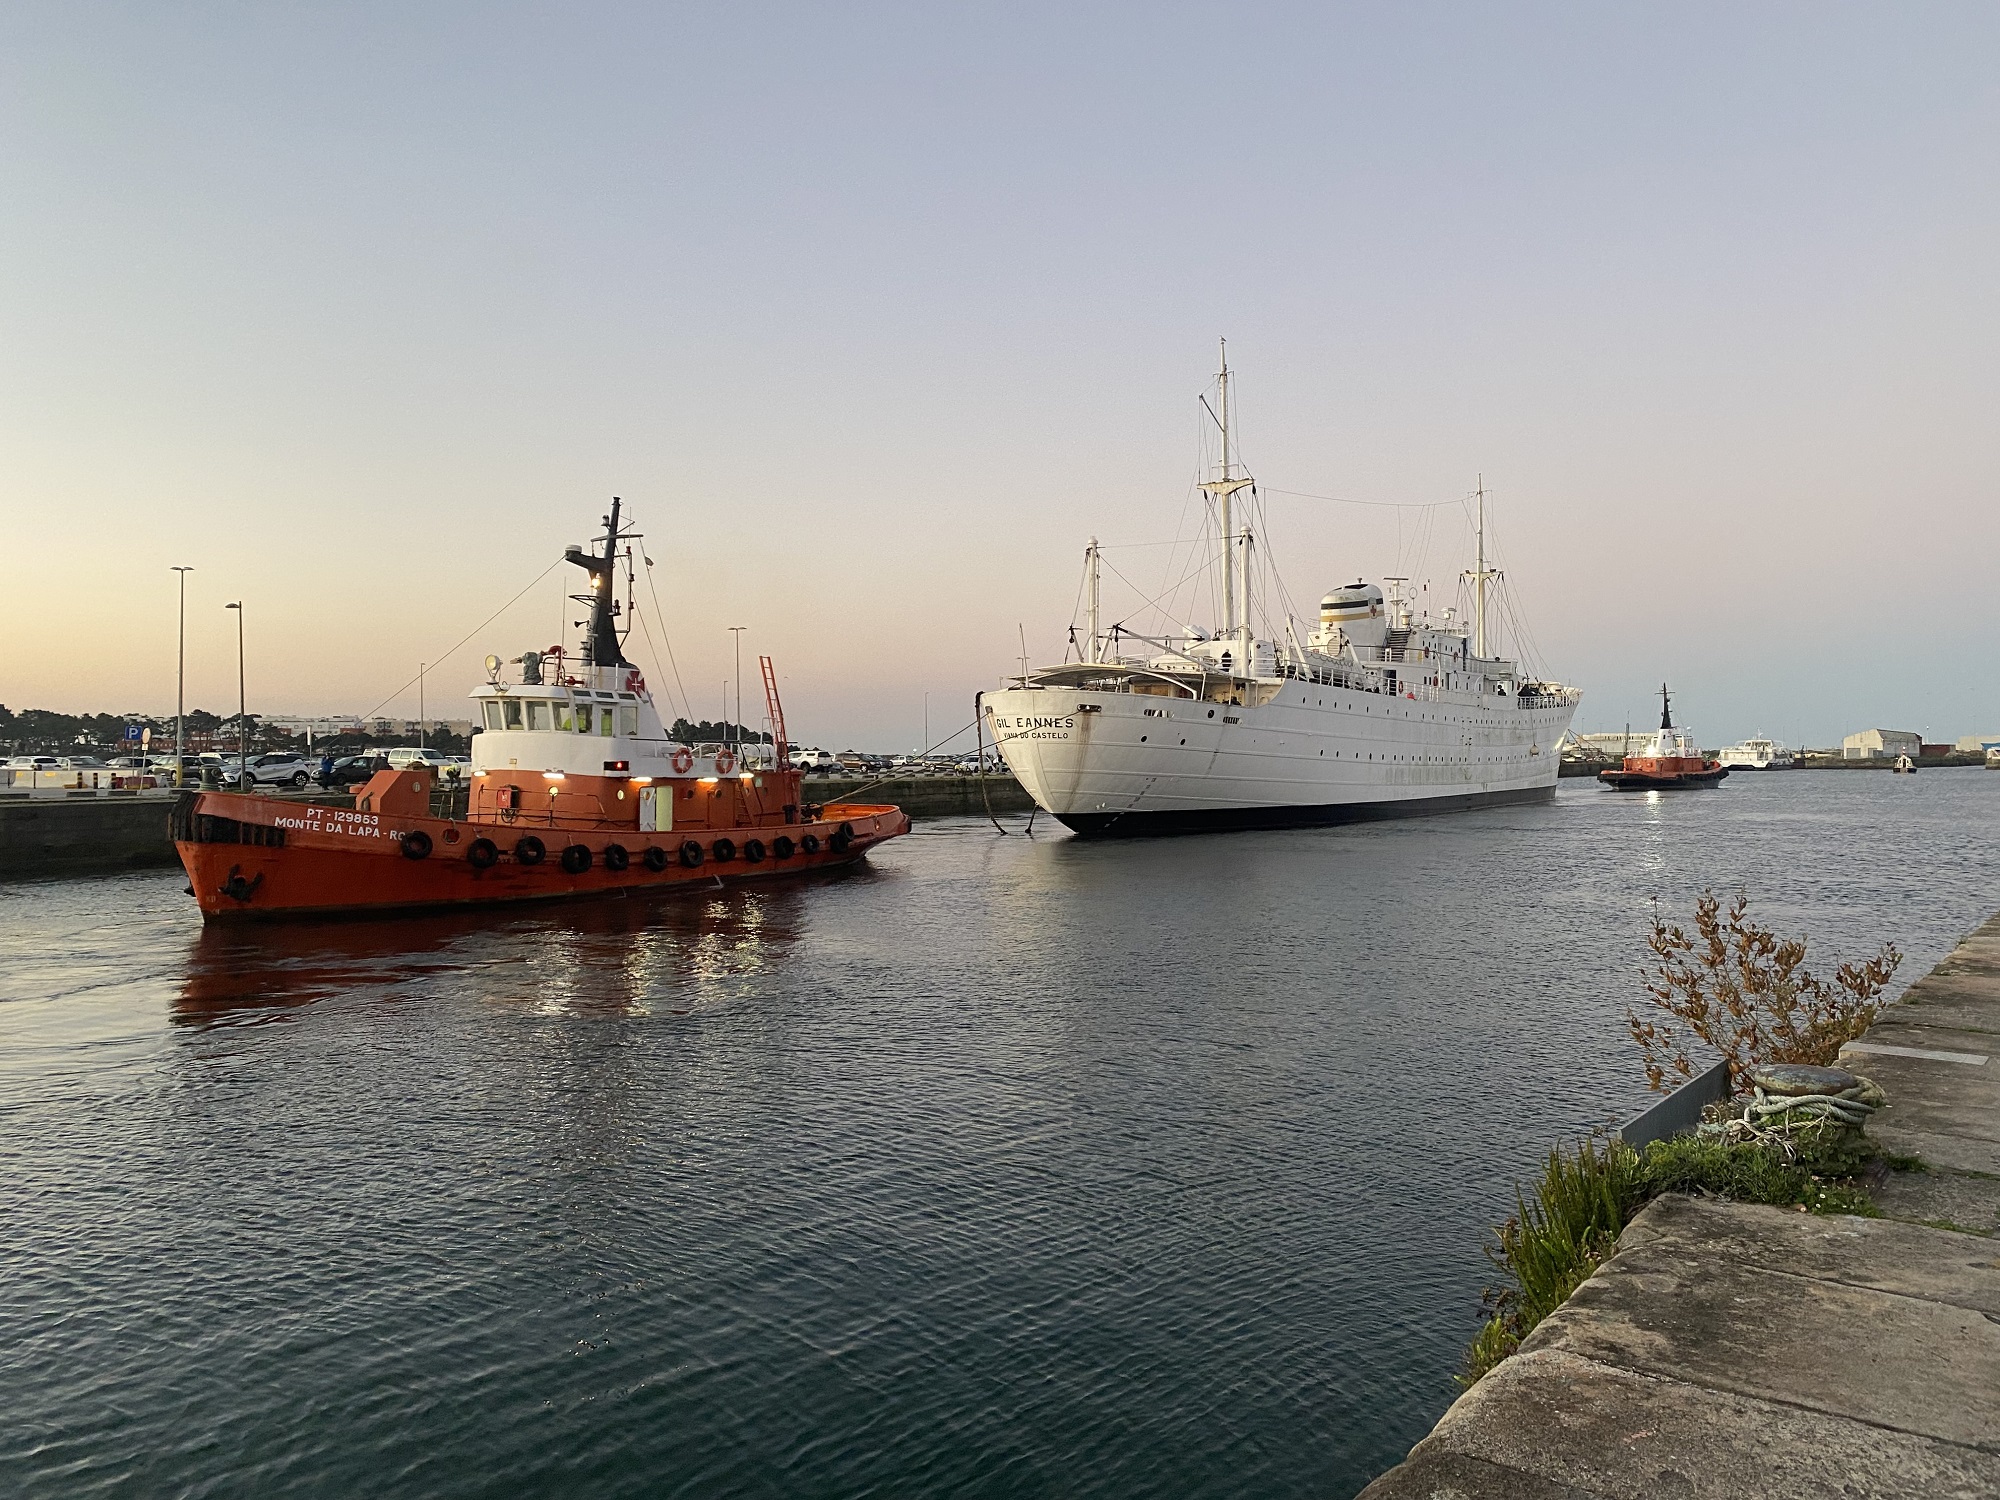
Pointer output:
x,y
1757,754
1374,713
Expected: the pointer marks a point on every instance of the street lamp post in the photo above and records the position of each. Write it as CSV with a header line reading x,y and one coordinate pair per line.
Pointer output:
x,y
242,708
180,686
737,632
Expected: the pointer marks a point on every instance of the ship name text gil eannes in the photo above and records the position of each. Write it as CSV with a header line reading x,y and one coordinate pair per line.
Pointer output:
x,y
576,790
1376,712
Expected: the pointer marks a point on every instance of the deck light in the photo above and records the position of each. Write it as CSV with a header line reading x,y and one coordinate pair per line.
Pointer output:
x,y
552,775
642,781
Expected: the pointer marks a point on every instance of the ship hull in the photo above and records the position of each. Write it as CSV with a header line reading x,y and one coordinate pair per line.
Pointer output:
x,y
1310,815
1644,781
249,857
1116,763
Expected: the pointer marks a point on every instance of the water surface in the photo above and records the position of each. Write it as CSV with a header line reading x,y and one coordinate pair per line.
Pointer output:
x,y
1004,1166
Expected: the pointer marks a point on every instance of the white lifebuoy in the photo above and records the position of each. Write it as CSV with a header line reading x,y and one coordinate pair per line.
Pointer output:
x,y
683,761
724,763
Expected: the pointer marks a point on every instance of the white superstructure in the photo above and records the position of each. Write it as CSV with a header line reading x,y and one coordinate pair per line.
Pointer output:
x,y
1757,754
1375,713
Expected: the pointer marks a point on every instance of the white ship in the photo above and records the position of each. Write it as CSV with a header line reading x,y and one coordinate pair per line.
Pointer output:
x,y
1376,713
1757,754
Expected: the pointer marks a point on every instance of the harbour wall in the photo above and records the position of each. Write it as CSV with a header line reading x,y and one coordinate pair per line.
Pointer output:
x,y
925,796
102,834
83,835
1730,1349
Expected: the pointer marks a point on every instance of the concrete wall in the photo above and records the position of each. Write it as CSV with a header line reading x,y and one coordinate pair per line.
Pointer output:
x,y
925,796
86,835
82,835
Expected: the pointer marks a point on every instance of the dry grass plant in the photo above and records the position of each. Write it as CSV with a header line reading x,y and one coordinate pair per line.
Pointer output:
x,y
1738,988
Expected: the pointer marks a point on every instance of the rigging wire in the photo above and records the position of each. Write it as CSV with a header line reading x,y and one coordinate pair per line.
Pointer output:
x,y
687,703
466,637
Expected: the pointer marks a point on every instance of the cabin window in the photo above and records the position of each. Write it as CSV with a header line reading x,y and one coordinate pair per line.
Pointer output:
x,y
583,718
538,713
492,714
510,709
604,720
628,721
560,711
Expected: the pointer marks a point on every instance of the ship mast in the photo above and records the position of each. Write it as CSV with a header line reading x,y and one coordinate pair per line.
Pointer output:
x,y
1223,489
1479,576
1090,571
601,647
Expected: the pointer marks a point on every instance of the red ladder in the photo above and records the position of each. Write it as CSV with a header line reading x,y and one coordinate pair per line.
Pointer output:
x,y
776,708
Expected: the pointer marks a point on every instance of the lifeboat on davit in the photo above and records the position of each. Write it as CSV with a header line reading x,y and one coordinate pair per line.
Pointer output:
x,y
576,791
1671,761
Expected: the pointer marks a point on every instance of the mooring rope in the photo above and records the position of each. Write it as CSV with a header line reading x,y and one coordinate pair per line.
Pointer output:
x,y
1767,1116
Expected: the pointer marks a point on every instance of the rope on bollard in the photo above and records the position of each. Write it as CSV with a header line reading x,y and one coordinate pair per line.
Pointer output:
x,y
1775,1117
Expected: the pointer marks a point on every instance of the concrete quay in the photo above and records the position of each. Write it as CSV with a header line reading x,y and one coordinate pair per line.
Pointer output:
x,y
88,834
1733,1349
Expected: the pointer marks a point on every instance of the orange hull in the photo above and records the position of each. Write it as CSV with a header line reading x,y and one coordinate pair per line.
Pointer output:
x,y
251,856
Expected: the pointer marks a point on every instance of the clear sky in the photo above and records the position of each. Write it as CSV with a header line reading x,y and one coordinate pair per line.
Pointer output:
x,y
874,314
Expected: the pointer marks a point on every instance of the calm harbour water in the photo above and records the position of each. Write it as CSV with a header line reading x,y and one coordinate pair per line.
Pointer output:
x,y
1000,1167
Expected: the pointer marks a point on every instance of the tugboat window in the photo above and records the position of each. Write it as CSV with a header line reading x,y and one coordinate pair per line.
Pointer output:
x,y
492,714
538,714
511,709
583,718
561,711
628,721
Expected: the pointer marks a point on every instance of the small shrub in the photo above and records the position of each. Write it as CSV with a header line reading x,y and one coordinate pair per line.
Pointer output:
x,y
1738,988
1553,1242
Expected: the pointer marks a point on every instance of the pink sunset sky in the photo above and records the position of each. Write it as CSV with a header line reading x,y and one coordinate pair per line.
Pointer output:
x,y
874,314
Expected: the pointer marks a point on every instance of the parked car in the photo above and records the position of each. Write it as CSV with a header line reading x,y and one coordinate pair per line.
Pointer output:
x,y
83,763
352,768
34,763
274,768
403,757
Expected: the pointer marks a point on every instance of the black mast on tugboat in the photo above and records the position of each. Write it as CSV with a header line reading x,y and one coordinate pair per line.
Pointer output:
x,y
602,648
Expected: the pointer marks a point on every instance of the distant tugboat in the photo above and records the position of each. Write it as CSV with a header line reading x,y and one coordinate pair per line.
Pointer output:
x,y
1904,766
1672,761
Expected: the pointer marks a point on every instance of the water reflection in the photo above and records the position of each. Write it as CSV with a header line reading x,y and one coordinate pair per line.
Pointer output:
x,y
597,957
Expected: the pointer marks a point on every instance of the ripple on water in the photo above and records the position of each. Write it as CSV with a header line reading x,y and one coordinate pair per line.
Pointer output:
x,y
999,1167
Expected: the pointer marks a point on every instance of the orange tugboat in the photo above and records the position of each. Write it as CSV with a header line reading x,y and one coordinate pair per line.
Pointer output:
x,y
1672,760
575,790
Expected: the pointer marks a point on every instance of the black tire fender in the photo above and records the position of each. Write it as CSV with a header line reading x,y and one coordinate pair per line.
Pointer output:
x,y
654,859
616,857
530,851
753,850
482,854
692,854
782,847
576,858
723,851
810,843
416,844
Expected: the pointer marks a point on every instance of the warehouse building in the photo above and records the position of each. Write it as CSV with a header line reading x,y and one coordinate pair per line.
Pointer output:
x,y
1881,744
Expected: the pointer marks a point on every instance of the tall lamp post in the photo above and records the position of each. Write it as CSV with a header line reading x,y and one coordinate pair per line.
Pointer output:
x,y
242,708
180,686
736,631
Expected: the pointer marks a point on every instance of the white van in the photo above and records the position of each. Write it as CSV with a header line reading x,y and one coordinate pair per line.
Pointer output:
x,y
403,757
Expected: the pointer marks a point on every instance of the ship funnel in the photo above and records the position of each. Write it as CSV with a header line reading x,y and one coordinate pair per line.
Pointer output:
x,y
1357,613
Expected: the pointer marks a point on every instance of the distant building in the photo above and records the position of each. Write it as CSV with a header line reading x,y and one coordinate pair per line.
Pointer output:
x,y
1977,744
1612,744
1881,744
